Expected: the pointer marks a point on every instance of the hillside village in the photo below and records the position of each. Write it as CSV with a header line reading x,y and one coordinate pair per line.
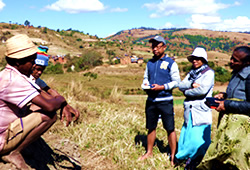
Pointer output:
x,y
73,48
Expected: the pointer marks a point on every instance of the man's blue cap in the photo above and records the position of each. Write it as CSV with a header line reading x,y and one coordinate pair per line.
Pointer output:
x,y
158,39
42,58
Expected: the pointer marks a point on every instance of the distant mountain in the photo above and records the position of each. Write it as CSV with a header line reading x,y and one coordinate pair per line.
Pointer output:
x,y
185,39
180,42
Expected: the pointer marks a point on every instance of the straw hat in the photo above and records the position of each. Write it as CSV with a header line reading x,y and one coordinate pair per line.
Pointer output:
x,y
20,46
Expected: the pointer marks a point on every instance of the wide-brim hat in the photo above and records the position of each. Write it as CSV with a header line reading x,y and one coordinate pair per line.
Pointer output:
x,y
20,46
198,52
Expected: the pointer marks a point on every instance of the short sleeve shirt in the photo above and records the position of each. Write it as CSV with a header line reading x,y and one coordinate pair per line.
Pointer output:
x,y
41,84
16,91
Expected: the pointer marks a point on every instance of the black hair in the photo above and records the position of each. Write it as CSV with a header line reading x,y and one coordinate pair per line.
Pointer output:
x,y
14,61
246,50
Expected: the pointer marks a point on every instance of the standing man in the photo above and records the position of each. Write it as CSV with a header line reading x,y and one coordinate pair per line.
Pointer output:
x,y
162,75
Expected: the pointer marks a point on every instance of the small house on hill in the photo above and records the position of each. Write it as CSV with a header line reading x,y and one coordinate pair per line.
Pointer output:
x,y
58,59
134,59
140,60
125,60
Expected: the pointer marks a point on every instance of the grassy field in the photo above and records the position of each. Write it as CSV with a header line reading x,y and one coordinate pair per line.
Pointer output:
x,y
110,133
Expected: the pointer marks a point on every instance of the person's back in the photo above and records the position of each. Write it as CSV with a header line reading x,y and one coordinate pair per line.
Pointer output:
x,y
18,124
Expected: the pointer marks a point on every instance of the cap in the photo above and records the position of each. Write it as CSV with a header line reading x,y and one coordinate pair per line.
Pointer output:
x,y
158,39
42,58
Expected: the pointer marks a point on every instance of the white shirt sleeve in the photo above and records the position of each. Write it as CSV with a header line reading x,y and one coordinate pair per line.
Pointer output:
x,y
175,77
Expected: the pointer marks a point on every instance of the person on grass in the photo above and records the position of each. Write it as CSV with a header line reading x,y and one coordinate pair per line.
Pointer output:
x,y
230,148
19,125
195,135
162,74
41,63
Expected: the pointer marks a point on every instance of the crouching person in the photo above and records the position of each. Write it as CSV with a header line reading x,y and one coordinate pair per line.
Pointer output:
x,y
41,63
19,126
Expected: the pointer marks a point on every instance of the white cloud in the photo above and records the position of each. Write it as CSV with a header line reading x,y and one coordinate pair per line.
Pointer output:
x,y
201,21
179,7
76,6
168,25
236,3
240,23
1,5
119,9
204,14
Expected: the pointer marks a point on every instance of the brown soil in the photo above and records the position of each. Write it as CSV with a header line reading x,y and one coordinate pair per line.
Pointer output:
x,y
53,152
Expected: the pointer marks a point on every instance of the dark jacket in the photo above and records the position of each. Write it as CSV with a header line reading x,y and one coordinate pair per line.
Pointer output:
x,y
239,87
165,72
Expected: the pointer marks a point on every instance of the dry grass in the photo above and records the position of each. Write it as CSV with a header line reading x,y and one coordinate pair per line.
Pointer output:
x,y
107,129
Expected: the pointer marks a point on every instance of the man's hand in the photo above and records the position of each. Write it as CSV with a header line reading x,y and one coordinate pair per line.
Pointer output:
x,y
68,112
157,87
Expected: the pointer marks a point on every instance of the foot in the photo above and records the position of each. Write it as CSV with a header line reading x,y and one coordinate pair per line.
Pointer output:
x,y
172,160
143,157
17,159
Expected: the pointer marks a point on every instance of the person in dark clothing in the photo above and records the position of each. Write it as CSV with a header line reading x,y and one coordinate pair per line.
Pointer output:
x,y
230,148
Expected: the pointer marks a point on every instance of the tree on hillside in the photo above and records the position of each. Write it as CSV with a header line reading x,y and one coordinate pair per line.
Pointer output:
x,y
27,23
45,30
110,53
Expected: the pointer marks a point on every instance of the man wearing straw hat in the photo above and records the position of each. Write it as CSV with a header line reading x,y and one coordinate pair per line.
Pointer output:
x,y
41,63
19,126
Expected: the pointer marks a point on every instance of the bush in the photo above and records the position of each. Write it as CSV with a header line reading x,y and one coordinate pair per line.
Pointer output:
x,y
222,75
54,69
88,60
92,75
211,64
187,68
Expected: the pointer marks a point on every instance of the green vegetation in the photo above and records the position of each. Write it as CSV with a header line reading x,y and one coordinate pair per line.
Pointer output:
x,y
112,125
222,75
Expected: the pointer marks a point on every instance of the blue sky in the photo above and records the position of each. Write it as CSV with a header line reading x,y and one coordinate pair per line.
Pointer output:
x,y
106,17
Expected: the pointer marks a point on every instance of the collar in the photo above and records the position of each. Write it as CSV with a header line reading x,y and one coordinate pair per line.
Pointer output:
x,y
14,69
32,78
244,72
163,58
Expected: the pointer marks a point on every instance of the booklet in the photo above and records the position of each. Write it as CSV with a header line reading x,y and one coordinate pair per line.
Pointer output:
x,y
210,102
146,87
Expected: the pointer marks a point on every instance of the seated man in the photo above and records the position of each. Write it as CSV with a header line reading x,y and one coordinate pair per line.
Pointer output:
x,y
19,126
41,63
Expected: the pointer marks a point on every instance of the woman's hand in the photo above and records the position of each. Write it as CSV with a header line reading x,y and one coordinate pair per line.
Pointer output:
x,y
195,85
220,95
221,106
